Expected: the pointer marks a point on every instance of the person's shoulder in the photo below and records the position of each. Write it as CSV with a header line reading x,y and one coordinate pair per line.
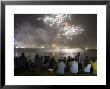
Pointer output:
x,y
89,64
19,56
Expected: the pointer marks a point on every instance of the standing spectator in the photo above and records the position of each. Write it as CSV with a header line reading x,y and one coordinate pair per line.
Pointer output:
x,y
23,60
29,62
51,62
37,58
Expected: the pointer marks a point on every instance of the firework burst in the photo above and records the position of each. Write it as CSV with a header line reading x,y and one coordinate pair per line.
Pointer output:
x,y
69,31
55,20
59,22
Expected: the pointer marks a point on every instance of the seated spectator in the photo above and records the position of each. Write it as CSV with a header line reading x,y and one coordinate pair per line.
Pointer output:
x,y
87,66
94,66
61,67
74,67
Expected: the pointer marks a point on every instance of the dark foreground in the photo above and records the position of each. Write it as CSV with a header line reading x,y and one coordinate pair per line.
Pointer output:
x,y
43,71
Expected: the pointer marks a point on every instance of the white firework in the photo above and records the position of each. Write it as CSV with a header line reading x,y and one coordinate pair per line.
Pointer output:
x,y
69,31
55,20
60,23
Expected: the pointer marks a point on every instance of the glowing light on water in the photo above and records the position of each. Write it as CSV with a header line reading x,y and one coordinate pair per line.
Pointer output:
x,y
65,50
71,50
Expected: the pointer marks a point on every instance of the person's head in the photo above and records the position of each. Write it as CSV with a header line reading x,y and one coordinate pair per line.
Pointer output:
x,y
72,59
78,53
15,57
68,57
41,57
52,57
86,56
86,62
93,60
37,55
75,57
64,58
59,60
22,54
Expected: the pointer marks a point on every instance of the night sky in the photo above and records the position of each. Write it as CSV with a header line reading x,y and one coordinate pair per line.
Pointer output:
x,y
30,30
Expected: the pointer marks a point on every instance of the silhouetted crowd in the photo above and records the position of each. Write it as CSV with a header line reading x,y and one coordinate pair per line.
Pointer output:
x,y
64,64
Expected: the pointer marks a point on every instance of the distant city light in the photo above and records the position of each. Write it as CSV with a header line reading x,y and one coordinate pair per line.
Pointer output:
x,y
71,50
53,45
66,48
17,47
42,47
22,47
86,48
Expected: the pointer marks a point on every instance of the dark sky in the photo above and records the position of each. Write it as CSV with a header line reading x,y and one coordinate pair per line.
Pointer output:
x,y
30,31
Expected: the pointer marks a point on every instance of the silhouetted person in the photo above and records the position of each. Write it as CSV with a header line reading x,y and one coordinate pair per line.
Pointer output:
x,y
36,56
78,56
23,60
51,62
86,58
75,59
38,61
68,60
41,59
29,62
65,60
46,59
15,62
